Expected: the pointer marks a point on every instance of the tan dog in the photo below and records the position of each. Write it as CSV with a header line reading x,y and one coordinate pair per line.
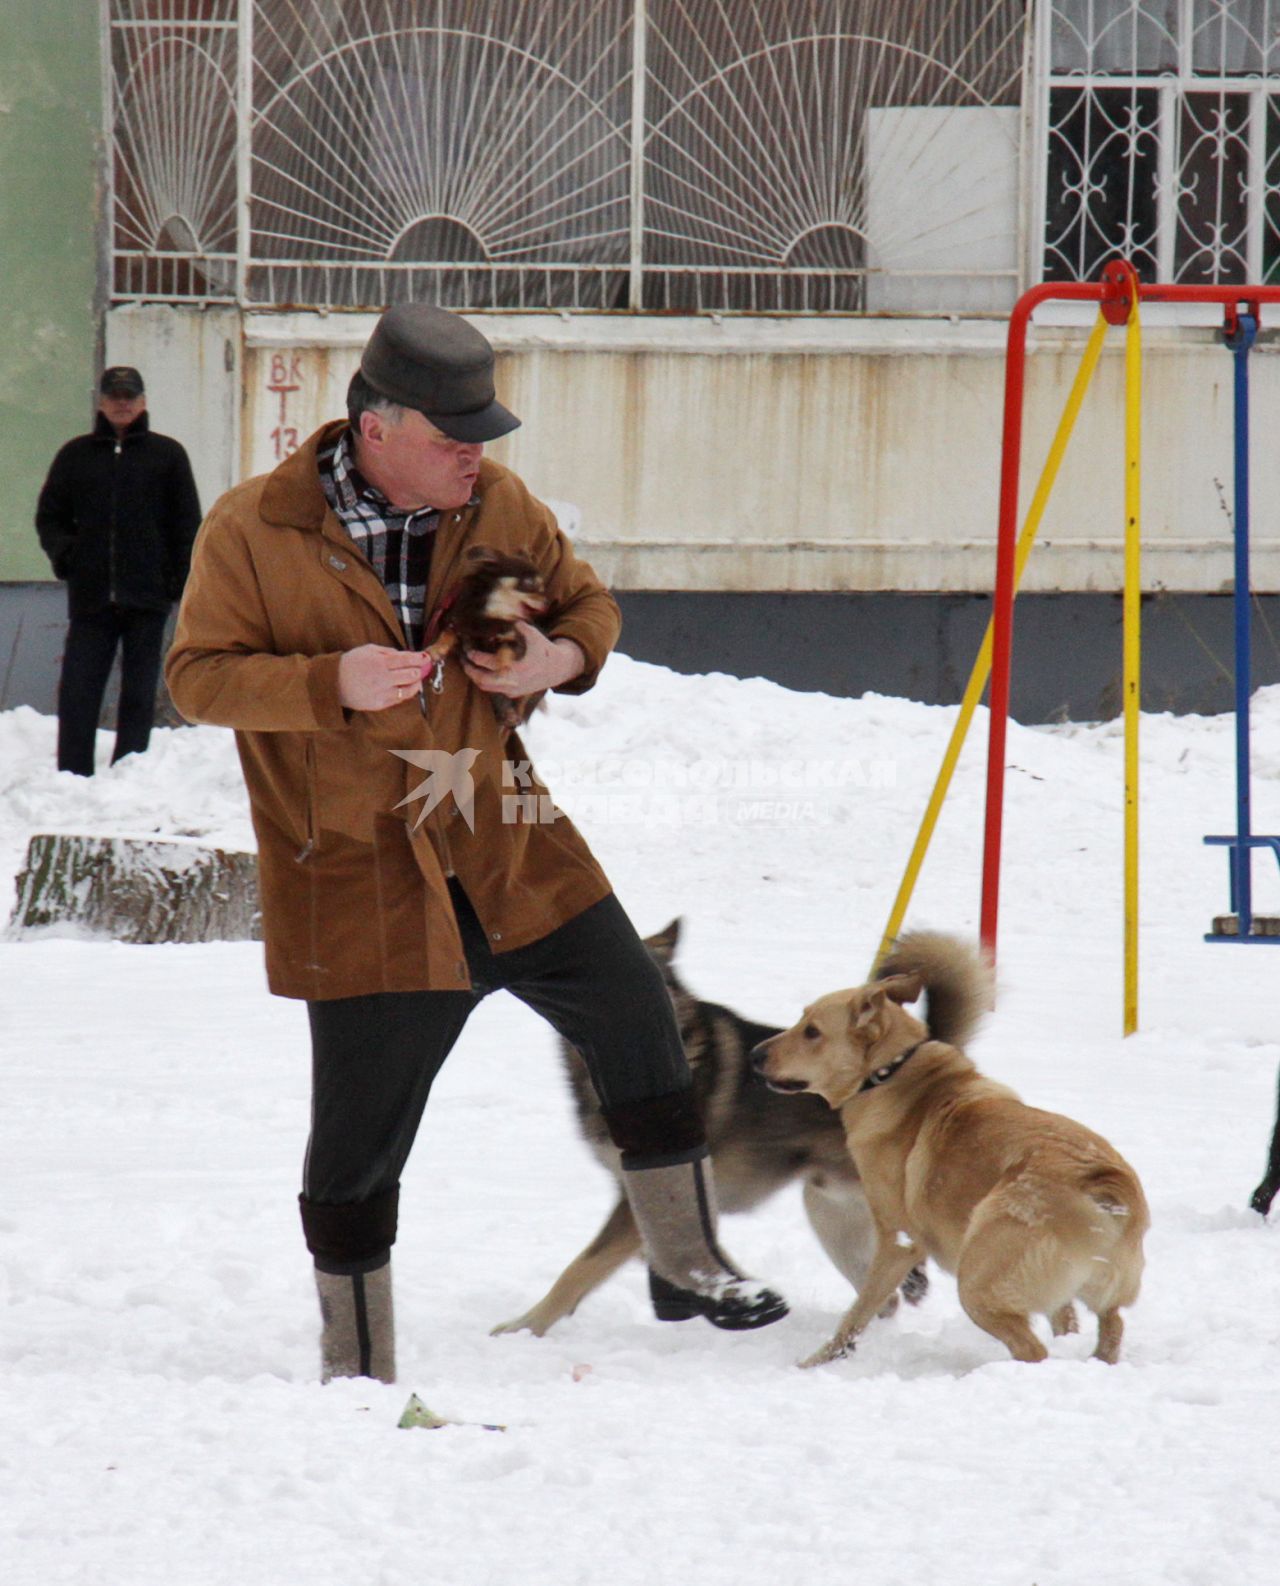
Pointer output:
x,y
1028,1209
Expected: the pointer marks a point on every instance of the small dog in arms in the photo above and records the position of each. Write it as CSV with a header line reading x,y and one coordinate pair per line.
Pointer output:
x,y
497,591
760,1142
1028,1209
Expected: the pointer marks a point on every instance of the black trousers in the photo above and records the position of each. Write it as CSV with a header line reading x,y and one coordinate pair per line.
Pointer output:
x,y
86,664
374,1059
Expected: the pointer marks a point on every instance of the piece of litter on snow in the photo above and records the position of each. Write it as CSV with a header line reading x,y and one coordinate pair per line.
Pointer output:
x,y
417,1414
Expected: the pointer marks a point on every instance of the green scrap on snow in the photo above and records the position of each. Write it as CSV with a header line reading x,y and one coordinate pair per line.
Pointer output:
x,y
417,1414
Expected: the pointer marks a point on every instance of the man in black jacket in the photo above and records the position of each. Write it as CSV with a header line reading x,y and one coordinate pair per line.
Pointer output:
x,y
116,517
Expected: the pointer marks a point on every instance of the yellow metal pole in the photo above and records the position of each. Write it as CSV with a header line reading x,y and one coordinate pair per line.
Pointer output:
x,y
982,665
1132,650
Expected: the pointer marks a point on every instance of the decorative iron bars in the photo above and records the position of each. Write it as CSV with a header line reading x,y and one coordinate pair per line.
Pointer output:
x,y
174,125
1163,138
659,154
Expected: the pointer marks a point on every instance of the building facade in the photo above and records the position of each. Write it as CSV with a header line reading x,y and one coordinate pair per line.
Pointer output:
x,y
746,263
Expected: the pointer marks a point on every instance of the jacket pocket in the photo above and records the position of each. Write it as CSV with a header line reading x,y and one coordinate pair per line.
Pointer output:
x,y
310,822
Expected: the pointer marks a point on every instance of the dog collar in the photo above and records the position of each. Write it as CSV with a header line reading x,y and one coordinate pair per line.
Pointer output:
x,y
889,1069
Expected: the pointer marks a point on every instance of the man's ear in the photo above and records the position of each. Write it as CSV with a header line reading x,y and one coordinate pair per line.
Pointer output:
x,y
902,988
373,427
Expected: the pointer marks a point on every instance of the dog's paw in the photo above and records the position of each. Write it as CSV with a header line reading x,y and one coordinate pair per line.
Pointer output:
x,y
530,1322
833,1349
915,1285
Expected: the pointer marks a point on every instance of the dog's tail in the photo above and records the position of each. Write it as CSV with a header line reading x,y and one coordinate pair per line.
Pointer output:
x,y
957,981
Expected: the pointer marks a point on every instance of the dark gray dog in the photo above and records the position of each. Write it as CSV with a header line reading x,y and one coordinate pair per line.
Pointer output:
x,y
759,1141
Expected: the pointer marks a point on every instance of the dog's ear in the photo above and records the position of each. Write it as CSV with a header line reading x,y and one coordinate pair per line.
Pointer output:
x,y
902,988
482,553
663,943
867,1016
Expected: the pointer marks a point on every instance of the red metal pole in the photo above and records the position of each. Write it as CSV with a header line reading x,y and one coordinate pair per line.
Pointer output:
x,y
1114,293
1002,613
1002,621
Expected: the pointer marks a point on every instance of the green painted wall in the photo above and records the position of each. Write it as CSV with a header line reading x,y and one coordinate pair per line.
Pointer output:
x,y
50,138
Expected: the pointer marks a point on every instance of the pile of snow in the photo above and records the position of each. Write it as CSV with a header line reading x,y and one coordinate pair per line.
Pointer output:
x,y
161,1421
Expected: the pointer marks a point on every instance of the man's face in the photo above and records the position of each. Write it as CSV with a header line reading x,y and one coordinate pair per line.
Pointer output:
x,y
119,410
413,464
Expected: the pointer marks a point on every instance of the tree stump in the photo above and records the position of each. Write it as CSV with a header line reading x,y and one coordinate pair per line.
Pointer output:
x,y
139,889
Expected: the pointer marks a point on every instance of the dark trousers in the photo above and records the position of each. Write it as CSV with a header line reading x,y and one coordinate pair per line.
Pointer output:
x,y
374,1059
86,664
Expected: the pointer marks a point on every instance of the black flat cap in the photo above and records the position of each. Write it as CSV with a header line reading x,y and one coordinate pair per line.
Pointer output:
x,y
121,380
429,359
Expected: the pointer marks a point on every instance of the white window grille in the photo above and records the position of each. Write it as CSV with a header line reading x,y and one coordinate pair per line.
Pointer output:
x,y
760,188
1163,138
172,189
731,155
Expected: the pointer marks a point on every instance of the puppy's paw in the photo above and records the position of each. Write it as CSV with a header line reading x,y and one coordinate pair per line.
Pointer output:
x,y
833,1349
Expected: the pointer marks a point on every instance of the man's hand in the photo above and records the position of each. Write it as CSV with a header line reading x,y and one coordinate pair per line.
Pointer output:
x,y
374,677
546,663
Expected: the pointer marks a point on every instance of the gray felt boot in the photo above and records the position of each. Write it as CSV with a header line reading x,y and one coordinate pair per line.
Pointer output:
x,y
357,1337
689,1275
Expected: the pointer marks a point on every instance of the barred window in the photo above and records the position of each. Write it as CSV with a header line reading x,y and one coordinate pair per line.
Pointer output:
x,y
686,155
1163,139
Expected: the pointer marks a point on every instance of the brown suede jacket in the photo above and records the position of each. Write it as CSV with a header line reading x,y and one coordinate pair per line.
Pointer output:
x,y
354,892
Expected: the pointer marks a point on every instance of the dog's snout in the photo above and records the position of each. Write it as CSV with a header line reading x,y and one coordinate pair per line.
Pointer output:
x,y
759,1056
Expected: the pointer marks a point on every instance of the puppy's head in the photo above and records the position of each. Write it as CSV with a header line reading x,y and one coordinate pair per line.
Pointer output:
x,y
513,583
841,1039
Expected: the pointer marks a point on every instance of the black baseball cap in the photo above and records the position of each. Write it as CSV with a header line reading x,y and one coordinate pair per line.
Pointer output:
x,y
121,380
433,360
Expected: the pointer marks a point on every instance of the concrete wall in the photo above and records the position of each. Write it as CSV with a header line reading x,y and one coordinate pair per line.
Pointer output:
x,y
190,359
1067,664
772,455
751,455
50,137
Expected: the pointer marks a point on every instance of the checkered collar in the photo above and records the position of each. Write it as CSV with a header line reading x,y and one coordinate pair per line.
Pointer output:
x,y
350,487
350,494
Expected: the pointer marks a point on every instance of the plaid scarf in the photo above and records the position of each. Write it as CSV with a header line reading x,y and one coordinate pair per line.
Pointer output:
x,y
395,542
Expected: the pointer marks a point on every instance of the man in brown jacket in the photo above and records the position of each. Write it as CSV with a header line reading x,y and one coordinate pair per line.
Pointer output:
x,y
392,903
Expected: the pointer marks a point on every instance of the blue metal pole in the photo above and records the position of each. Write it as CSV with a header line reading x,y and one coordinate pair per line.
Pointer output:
x,y
1240,341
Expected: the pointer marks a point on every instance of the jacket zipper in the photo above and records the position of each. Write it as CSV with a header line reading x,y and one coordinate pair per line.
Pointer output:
x,y
440,580
112,591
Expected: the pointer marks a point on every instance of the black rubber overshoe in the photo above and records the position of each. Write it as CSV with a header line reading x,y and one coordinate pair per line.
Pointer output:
x,y
738,1312
1265,1193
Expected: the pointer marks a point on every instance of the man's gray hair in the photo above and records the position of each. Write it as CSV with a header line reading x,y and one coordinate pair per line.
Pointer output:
x,y
362,398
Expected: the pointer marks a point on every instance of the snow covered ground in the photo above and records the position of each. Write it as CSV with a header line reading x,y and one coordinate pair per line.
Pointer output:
x,y
160,1422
